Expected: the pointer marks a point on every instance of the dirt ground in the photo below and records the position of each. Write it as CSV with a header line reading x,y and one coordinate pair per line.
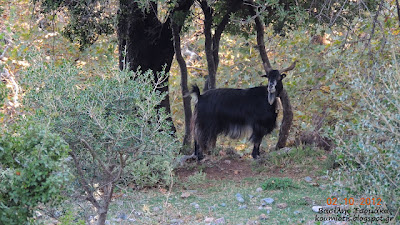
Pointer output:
x,y
236,170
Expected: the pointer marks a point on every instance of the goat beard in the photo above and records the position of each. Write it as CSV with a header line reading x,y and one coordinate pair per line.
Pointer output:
x,y
271,98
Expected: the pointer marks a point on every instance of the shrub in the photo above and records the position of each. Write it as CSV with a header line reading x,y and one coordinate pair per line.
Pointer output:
x,y
111,122
368,144
113,112
148,171
32,171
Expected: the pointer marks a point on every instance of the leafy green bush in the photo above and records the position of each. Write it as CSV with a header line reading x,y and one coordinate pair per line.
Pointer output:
x,y
148,171
368,144
113,114
110,121
32,170
275,183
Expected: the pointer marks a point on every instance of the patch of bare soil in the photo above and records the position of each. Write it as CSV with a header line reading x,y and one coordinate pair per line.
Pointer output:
x,y
236,170
226,169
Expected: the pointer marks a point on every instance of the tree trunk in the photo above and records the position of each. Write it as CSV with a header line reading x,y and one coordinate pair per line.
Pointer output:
x,y
208,45
211,43
184,88
286,121
108,191
145,43
102,216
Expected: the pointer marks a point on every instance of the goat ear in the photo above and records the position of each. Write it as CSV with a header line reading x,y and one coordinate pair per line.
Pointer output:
x,y
265,75
283,75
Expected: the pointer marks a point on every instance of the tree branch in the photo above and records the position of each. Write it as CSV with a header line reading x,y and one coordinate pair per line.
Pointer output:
x,y
398,11
220,28
181,6
122,162
84,183
260,37
374,24
8,43
95,157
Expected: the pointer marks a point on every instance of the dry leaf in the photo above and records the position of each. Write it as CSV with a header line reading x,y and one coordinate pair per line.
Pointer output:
x,y
163,190
146,208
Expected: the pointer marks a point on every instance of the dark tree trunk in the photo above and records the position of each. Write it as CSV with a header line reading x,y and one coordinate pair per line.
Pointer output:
x,y
184,88
211,43
145,42
286,121
208,45
287,108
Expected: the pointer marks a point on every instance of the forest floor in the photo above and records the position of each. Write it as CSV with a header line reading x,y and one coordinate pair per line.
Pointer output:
x,y
228,190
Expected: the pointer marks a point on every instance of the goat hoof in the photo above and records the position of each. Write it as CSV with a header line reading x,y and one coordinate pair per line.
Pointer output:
x,y
200,158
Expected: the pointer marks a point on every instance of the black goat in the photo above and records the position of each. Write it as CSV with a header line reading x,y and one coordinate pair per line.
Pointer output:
x,y
235,113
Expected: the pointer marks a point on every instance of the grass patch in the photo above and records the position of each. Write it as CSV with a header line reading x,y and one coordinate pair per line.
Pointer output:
x,y
195,179
312,160
278,183
195,197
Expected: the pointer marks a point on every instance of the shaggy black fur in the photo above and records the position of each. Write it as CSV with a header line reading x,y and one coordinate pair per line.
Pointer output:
x,y
235,113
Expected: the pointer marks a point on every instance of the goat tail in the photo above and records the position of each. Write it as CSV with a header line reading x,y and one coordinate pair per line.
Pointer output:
x,y
195,93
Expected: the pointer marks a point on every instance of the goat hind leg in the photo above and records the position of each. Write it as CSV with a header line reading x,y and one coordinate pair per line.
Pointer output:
x,y
256,149
212,145
198,150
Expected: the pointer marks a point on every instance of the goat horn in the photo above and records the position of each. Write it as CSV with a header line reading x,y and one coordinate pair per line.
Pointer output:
x,y
291,67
